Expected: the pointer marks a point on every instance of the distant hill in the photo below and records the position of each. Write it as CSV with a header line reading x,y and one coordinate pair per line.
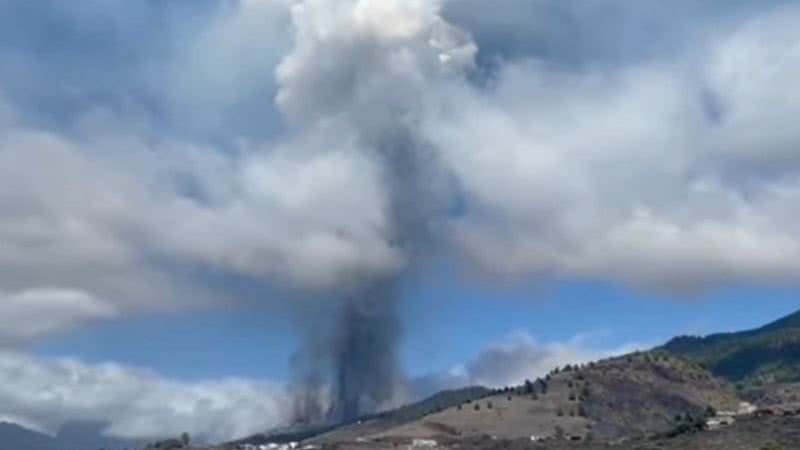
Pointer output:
x,y
380,421
770,354
15,437
77,436
639,394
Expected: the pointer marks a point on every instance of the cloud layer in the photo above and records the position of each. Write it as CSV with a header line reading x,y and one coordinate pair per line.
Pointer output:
x,y
135,403
673,171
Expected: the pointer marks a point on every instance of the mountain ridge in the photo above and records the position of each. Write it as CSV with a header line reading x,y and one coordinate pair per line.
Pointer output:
x,y
767,354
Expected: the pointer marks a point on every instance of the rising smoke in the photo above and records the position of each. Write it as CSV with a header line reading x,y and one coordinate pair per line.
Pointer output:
x,y
379,101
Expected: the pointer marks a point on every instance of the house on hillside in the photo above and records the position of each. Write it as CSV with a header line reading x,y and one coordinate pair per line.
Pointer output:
x,y
715,423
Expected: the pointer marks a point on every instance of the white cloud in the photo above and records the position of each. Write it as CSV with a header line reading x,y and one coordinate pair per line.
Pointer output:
x,y
40,312
46,394
674,174
516,359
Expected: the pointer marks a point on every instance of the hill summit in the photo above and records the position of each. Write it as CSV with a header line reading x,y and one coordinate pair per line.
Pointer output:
x,y
769,354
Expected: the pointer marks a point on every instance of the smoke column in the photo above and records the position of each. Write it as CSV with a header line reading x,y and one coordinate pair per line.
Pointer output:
x,y
365,360
361,68
358,357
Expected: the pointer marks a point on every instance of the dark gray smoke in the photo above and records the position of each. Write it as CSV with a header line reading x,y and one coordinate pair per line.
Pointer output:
x,y
364,353
356,361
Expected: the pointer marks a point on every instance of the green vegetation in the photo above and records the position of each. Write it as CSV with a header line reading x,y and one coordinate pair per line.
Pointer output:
x,y
771,446
435,403
687,425
765,355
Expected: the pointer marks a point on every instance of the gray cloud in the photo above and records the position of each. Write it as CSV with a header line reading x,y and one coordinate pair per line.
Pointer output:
x,y
601,33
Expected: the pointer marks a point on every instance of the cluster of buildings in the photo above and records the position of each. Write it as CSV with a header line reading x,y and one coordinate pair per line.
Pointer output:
x,y
277,446
727,418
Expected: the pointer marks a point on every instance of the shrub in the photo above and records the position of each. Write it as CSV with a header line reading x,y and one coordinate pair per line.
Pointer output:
x,y
771,446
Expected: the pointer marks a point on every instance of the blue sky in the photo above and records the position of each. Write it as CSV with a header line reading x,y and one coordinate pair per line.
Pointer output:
x,y
447,323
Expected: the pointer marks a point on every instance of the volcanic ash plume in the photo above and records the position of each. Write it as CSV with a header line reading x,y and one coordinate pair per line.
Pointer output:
x,y
364,354
360,68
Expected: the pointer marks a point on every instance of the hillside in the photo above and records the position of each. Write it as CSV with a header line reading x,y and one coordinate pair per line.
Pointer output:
x,y
770,354
380,421
746,434
15,437
635,395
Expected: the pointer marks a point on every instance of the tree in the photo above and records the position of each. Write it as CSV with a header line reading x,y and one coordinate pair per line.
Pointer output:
x,y
185,438
528,387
